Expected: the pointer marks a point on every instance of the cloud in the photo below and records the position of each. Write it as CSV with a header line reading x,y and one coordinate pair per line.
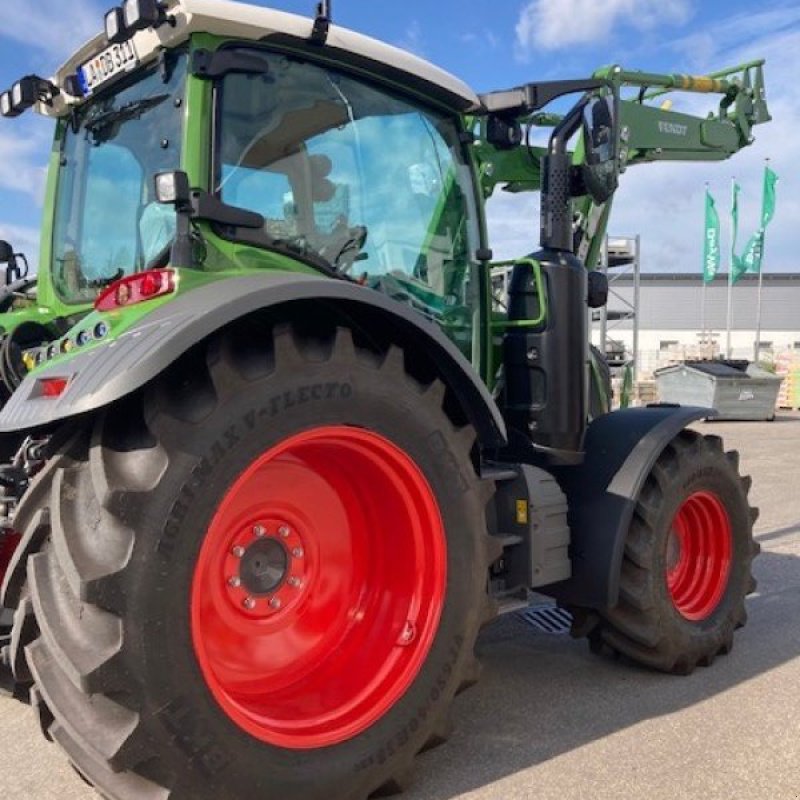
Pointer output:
x,y
549,25
54,27
23,157
412,39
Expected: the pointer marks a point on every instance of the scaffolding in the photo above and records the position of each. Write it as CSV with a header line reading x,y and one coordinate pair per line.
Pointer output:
x,y
620,256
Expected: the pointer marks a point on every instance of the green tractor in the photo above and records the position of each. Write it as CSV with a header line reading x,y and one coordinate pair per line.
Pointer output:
x,y
280,452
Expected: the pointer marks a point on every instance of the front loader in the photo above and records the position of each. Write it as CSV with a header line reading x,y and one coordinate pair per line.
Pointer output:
x,y
265,490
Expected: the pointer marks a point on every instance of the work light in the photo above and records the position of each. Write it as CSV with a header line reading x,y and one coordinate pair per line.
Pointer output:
x,y
141,14
115,26
25,93
7,106
172,188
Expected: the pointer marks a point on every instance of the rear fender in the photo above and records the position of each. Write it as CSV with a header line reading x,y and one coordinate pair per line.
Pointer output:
x,y
621,449
104,375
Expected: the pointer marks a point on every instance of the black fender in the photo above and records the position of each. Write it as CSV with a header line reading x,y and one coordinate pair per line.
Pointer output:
x,y
621,449
103,375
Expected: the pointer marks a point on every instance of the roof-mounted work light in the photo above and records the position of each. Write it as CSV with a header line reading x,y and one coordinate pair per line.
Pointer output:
x,y
6,106
115,26
141,14
25,94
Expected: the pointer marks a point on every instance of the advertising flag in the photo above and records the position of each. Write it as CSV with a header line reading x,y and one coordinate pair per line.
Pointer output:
x,y
711,248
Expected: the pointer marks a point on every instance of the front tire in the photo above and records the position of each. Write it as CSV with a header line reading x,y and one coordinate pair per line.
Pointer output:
x,y
687,563
189,649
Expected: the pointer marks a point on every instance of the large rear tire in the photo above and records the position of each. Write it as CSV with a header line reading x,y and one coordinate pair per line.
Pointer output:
x,y
265,579
687,564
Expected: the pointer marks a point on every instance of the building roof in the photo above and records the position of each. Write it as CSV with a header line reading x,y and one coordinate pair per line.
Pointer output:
x,y
254,23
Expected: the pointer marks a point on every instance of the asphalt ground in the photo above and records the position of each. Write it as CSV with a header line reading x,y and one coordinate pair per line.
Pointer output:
x,y
550,720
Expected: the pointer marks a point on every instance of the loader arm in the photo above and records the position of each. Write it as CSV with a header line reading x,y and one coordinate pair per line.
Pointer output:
x,y
649,130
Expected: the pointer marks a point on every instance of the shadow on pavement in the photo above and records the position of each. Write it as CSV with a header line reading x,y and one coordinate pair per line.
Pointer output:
x,y
542,696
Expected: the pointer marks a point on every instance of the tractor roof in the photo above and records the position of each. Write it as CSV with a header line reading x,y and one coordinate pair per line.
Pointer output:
x,y
247,22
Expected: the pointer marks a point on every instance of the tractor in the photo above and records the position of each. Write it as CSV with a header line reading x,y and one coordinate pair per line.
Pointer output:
x,y
279,452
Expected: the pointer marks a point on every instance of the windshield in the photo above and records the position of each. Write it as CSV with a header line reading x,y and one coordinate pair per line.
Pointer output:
x,y
108,223
371,183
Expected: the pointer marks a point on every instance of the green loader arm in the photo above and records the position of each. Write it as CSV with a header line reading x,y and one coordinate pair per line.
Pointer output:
x,y
650,130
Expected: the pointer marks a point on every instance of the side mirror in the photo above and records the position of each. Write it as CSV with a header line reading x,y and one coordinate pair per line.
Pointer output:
x,y
600,173
6,253
17,268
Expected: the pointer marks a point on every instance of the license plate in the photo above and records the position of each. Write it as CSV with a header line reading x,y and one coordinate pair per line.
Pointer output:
x,y
114,61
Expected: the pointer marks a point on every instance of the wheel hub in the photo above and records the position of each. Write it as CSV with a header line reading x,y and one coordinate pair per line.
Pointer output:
x,y
265,568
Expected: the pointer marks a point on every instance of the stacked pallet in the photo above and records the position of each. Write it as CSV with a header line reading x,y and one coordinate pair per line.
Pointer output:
x,y
787,365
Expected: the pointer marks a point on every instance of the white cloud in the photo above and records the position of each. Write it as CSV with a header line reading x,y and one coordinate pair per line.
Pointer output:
x,y
22,162
53,26
555,24
412,39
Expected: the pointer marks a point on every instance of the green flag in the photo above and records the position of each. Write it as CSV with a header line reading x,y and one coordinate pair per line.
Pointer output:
x,y
751,258
711,248
754,252
768,199
737,267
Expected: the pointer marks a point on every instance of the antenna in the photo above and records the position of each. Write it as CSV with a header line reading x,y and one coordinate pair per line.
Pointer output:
x,y
322,22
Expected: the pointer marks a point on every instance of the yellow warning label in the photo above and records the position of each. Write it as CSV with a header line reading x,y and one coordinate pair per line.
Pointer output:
x,y
522,512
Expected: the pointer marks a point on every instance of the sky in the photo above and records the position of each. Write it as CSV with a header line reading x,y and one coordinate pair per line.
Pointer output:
x,y
494,45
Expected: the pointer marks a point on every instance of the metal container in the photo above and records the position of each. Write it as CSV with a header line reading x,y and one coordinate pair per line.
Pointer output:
x,y
737,390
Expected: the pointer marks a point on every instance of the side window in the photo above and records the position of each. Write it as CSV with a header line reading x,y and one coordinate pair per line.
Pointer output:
x,y
114,199
263,191
369,182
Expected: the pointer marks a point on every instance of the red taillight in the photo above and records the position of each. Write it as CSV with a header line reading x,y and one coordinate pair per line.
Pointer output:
x,y
136,289
52,387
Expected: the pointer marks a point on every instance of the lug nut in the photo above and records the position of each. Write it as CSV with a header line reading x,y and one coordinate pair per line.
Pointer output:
x,y
284,531
298,552
235,582
259,531
295,582
275,603
249,603
238,551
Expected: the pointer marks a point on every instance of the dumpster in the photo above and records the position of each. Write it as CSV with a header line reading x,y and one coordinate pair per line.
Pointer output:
x,y
735,389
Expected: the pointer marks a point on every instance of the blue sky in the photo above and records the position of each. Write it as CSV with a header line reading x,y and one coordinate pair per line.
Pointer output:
x,y
496,45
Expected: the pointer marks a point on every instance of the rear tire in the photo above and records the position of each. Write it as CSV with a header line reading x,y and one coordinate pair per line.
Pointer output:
x,y
674,613
118,664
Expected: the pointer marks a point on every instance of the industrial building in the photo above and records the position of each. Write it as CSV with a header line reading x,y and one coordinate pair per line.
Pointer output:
x,y
659,317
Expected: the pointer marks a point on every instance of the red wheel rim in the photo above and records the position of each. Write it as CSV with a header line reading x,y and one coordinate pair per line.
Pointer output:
x,y
699,552
319,587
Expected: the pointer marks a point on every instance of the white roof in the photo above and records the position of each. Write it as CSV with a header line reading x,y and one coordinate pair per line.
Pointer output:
x,y
227,18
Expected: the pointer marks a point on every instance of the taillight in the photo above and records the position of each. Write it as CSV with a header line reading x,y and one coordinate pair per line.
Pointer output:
x,y
52,387
136,289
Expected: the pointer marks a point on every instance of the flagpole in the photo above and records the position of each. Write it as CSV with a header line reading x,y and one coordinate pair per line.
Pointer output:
x,y
728,350
703,292
757,353
758,313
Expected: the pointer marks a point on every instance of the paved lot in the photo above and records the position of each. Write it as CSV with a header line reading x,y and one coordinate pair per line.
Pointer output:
x,y
551,721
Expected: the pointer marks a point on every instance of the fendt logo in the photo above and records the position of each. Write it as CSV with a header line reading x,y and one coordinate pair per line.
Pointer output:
x,y
673,128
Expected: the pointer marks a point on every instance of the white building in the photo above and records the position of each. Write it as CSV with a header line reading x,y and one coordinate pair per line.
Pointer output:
x,y
670,317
